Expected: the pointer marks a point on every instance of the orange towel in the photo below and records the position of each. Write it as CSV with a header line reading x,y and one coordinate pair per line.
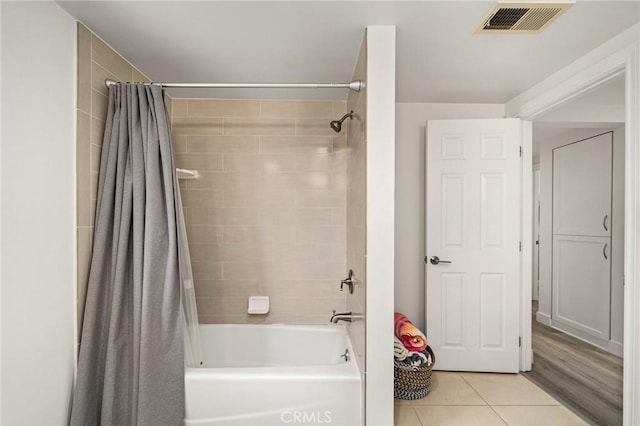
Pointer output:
x,y
412,338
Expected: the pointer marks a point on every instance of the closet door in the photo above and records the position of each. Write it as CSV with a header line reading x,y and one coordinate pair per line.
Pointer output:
x,y
582,187
581,283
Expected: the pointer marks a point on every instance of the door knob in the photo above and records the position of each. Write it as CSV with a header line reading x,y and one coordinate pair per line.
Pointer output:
x,y
434,260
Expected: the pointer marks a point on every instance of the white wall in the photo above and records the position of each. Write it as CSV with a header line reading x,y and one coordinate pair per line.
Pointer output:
x,y
409,199
38,212
546,219
381,124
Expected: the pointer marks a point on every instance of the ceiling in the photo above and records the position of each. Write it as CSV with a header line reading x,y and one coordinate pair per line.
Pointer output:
x,y
439,58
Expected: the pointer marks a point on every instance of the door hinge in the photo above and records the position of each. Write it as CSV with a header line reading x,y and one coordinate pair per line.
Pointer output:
x,y
520,246
520,151
519,341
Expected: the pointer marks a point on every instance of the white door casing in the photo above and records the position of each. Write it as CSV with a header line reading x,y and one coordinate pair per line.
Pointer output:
x,y
473,172
536,235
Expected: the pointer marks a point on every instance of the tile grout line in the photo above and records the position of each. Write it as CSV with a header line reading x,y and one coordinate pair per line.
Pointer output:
x,y
92,62
91,202
415,413
499,416
474,389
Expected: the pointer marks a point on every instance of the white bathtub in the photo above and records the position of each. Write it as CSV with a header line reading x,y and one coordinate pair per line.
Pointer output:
x,y
259,375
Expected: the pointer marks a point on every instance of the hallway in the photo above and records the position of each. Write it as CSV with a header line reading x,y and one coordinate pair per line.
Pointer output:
x,y
582,377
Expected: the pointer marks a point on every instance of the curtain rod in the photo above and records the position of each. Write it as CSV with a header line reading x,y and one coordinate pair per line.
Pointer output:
x,y
356,85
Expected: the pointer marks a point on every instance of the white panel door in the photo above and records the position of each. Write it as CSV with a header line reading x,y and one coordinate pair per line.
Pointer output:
x,y
581,283
582,187
473,172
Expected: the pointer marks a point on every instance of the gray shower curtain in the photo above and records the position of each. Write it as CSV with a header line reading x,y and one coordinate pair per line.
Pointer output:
x,y
131,362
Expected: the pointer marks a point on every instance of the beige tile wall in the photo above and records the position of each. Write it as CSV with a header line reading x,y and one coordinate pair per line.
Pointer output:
x,y
96,62
357,204
268,215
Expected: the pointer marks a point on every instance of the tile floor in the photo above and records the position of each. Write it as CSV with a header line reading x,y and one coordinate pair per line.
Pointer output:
x,y
468,399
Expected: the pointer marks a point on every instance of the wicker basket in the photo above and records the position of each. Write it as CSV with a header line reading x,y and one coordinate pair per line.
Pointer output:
x,y
410,382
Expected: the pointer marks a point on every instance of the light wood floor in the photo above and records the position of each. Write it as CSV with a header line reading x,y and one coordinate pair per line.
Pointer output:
x,y
584,378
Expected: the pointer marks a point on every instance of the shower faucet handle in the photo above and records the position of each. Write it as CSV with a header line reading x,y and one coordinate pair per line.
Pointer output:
x,y
349,281
346,355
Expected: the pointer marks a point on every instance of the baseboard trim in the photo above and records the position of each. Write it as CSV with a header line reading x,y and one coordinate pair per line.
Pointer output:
x,y
616,348
543,318
579,334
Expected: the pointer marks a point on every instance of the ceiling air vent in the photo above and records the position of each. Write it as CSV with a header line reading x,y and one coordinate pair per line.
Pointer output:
x,y
523,18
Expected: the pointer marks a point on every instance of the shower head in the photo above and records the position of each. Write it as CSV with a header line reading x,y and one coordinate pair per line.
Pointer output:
x,y
336,125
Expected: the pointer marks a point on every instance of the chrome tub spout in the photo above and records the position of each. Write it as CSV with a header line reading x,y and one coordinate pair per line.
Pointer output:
x,y
344,316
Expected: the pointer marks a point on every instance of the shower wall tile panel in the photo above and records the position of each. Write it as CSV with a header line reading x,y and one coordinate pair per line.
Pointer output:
x,y
299,109
96,62
183,126
83,169
356,208
223,108
84,69
268,214
313,126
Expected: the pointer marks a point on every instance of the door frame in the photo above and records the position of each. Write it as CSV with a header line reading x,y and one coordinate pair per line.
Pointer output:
x,y
619,56
535,276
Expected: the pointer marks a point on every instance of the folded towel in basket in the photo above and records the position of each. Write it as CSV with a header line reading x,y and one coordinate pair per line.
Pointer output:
x,y
412,338
418,359
400,353
410,358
